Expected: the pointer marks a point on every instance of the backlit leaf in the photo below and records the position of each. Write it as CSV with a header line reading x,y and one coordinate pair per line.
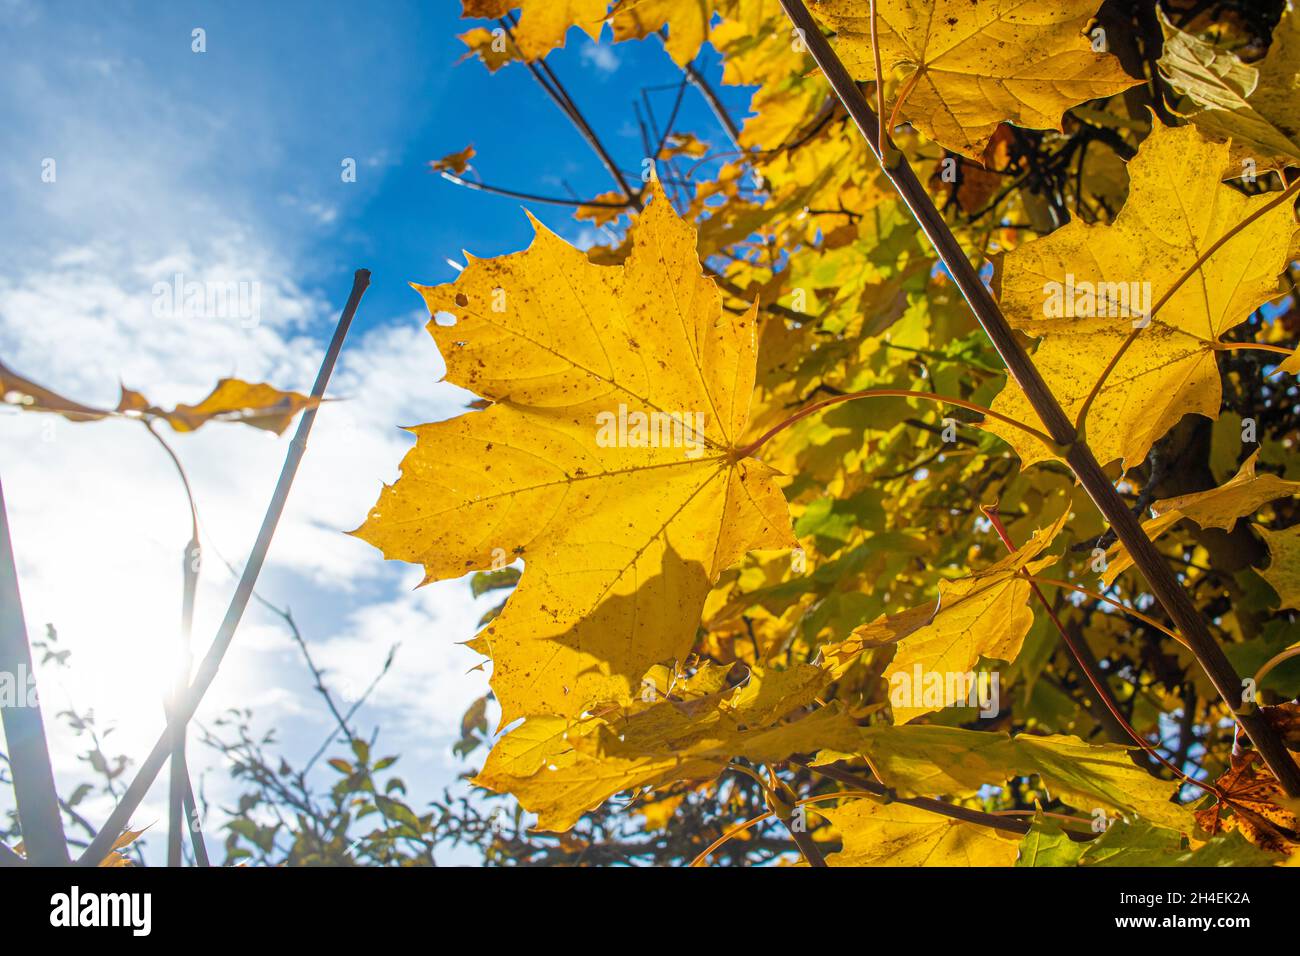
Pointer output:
x,y
1221,507
1081,289
1283,571
898,835
965,67
621,539
1253,104
985,615
542,23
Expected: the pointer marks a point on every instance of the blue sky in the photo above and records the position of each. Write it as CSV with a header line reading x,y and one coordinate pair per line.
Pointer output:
x,y
225,166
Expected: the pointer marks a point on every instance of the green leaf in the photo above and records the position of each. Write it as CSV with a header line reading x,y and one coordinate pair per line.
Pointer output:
x,y
927,760
484,581
1046,844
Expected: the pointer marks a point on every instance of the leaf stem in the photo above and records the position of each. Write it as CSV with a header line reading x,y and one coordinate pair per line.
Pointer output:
x,y
1251,346
903,94
740,768
1273,661
731,834
1118,605
881,134
181,805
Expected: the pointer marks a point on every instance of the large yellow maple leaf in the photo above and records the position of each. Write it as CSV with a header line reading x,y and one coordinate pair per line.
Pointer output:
x,y
608,460
1104,277
966,67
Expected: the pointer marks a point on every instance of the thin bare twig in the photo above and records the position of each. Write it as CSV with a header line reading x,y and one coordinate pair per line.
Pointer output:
x,y
33,776
549,82
715,103
534,197
208,668
181,818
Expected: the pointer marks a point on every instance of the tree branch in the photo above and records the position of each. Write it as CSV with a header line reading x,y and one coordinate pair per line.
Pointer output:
x,y
715,103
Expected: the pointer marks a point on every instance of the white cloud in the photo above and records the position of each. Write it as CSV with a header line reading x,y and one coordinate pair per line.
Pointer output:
x,y
320,212
98,517
599,56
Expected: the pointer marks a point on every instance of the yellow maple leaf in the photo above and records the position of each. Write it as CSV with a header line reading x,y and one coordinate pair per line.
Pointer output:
x,y
493,48
560,768
232,400
1254,104
966,67
687,22
1083,288
608,461
1283,571
616,206
248,403
1241,495
542,23
895,834
984,615
454,162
